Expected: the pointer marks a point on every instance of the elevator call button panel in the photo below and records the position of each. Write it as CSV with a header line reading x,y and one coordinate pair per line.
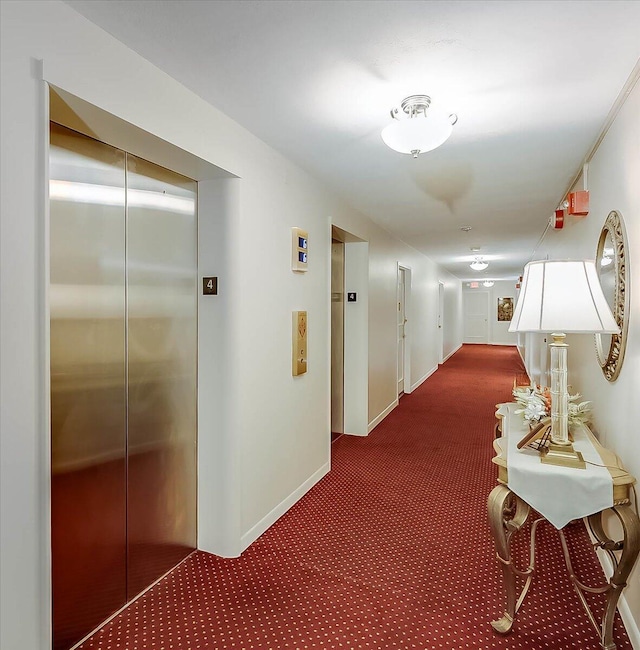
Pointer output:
x,y
299,366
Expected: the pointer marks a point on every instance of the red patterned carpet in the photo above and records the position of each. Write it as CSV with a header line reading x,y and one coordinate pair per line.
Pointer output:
x,y
390,550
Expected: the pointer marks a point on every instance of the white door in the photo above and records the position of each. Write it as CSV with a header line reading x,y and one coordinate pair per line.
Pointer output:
x,y
401,322
476,316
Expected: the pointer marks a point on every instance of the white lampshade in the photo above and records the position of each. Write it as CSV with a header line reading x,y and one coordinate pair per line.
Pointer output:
x,y
562,296
421,133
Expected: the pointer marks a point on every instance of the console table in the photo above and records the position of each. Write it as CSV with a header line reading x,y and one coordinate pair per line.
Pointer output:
x,y
508,513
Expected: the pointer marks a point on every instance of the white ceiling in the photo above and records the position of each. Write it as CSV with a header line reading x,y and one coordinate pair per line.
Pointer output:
x,y
532,84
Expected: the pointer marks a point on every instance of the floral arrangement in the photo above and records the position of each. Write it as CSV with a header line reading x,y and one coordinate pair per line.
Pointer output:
x,y
534,400
536,404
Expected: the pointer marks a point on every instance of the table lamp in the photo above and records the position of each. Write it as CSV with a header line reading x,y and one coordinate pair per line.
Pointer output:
x,y
560,297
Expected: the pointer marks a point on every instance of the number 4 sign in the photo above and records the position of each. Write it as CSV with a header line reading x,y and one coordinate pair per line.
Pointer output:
x,y
210,286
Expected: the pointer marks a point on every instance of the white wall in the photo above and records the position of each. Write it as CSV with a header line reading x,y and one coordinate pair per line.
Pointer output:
x,y
356,339
279,424
613,179
498,331
452,318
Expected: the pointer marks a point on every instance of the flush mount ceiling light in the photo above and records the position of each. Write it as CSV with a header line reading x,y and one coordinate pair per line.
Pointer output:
x,y
488,283
416,128
478,264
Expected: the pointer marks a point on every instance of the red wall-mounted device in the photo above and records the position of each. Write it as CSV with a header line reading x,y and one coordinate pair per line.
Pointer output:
x,y
557,220
579,203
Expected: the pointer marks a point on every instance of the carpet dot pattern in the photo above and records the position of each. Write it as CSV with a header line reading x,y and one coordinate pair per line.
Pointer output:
x,y
391,550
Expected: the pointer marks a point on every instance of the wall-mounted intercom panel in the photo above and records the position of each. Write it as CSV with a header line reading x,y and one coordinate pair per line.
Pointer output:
x,y
299,366
299,249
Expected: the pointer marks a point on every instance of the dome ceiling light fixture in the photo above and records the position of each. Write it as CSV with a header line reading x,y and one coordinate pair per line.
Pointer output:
x,y
416,128
488,283
478,264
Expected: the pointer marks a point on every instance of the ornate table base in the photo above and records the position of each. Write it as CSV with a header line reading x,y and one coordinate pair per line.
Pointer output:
x,y
508,513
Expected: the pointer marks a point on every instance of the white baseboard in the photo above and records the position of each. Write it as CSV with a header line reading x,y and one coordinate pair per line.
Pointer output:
x,y
266,522
630,623
423,379
523,361
362,435
376,421
452,353
507,343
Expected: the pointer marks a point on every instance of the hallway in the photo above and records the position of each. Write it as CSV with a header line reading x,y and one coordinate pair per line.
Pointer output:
x,y
390,550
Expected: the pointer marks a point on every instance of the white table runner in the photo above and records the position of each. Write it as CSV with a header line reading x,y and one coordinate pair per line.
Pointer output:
x,y
560,494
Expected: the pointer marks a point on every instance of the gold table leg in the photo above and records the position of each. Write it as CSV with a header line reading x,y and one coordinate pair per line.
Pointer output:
x,y
630,548
507,514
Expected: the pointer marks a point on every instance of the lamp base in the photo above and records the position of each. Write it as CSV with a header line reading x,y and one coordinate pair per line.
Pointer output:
x,y
563,455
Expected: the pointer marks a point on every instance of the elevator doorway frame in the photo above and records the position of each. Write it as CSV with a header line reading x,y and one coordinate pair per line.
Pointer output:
x,y
356,332
218,488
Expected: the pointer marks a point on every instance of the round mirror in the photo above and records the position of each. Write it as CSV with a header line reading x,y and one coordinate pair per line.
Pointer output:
x,y
612,268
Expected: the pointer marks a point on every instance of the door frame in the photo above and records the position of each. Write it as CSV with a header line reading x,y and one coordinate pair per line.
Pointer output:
x,y
440,321
401,268
356,332
337,375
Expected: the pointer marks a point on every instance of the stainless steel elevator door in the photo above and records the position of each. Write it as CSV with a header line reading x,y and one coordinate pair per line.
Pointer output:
x,y
123,377
88,398
162,340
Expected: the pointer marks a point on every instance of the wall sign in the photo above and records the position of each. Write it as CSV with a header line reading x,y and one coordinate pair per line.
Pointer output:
x,y
352,296
299,250
210,286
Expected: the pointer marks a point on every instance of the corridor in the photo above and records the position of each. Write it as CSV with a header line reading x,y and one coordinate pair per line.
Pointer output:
x,y
391,549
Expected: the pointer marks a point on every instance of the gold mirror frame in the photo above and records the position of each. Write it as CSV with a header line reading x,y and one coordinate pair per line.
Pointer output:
x,y
610,352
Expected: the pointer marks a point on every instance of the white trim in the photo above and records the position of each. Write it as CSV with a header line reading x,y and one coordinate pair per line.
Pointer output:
x,y
630,624
406,361
266,522
524,363
423,379
351,433
506,343
376,421
452,353
441,291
